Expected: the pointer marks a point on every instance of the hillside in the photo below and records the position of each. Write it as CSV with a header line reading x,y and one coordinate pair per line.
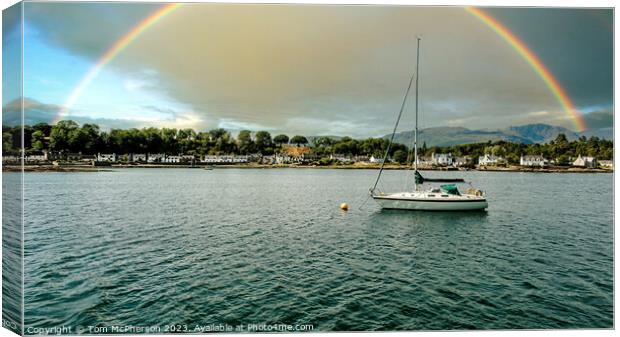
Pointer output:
x,y
526,134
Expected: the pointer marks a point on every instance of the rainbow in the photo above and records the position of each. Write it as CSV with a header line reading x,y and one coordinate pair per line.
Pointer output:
x,y
112,52
532,59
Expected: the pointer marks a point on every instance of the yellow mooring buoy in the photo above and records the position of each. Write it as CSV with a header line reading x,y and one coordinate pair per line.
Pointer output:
x,y
344,206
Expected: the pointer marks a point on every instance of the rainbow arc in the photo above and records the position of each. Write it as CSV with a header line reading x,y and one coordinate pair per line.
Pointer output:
x,y
112,52
514,41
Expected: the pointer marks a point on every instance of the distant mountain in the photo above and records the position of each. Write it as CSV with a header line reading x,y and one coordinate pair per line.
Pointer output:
x,y
526,134
541,133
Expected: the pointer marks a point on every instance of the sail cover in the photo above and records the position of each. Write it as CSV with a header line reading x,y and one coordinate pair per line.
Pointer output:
x,y
450,189
420,180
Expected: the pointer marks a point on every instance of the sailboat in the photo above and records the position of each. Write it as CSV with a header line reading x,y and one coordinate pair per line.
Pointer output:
x,y
445,197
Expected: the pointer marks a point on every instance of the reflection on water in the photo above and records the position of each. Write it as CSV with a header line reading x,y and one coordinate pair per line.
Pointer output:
x,y
148,246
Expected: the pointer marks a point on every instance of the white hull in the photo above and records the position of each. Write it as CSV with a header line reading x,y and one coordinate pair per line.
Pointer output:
x,y
422,202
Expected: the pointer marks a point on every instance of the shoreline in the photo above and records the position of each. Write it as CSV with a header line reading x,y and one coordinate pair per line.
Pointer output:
x,y
110,168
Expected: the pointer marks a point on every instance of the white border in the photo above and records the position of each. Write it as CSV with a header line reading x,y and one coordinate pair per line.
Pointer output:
x,y
489,3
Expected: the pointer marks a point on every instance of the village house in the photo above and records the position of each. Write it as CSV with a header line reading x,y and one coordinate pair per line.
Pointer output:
x,y
137,157
442,159
460,161
607,164
107,157
226,159
583,161
374,159
311,156
361,159
285,159
240,159
10,159
73,156
533,160
489,160
340,157
187,158
51,155
155,157
172,159
425,161
33,158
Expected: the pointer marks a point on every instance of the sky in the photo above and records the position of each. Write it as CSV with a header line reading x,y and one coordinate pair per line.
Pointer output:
x,y
309,69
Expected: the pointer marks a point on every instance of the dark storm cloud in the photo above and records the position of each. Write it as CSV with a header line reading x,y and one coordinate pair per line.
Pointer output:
x,y
599,119
575,44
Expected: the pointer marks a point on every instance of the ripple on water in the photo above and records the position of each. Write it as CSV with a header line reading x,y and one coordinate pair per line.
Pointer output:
x,y
270,246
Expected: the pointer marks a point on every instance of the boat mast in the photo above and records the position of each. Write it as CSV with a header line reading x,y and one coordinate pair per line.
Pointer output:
x,y
415,139
400,113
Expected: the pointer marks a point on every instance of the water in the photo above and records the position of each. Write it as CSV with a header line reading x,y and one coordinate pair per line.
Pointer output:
x,y
239,246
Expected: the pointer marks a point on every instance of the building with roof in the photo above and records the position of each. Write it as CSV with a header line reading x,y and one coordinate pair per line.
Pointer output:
x,y
533,160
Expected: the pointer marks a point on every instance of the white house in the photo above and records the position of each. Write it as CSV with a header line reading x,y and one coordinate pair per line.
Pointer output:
x,y
425,161
489,159
375,160
444,159
340,157
107,157
211,159
585,162
214,159
187,157
533,160
35,158
136,157
608,164
172,159
285,159
155,157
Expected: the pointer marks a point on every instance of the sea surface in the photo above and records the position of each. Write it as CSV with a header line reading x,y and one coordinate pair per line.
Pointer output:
x,y
191,247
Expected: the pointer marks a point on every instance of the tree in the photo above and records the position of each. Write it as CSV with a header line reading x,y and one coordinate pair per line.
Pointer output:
x,y
153,139
87,139
298,140
7,142
400,156
186,140
169,141
38,140
244,142
280,139
61,134
222,141
324,141
263,142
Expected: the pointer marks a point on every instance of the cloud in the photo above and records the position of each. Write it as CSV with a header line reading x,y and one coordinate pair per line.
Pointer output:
x,y
599,119
316,69
38,112
144,80
538,113
230,124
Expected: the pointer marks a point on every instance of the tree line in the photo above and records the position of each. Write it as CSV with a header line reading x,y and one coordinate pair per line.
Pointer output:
x,y
68,136
559,149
